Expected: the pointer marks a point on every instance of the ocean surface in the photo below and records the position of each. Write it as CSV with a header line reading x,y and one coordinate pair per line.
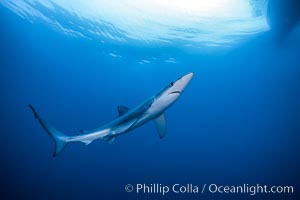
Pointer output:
x,y
237,122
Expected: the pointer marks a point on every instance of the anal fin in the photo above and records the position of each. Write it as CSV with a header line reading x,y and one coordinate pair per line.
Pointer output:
x,y
109,138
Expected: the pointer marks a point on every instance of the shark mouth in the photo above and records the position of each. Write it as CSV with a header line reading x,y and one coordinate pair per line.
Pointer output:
x,y
175,92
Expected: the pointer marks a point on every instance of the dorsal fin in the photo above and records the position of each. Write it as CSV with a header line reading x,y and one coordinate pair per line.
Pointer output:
x,y
161,125
122,110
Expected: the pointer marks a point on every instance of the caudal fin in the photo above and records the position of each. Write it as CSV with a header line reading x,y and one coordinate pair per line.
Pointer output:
x,y
58,137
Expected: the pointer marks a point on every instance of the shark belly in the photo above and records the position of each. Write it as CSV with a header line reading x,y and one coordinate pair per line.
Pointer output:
x,y
89,137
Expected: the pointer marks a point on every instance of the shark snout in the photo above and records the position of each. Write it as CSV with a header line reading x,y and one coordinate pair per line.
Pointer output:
x,y
188,77
184,81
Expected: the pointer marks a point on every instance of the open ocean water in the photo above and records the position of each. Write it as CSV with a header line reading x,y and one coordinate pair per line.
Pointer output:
x,y
237,122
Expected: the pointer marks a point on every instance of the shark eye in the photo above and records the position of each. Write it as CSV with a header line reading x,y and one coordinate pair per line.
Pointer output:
x,y
150,104
172,83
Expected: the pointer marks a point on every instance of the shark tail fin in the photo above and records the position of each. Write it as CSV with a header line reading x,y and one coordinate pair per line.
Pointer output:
x,y
60,139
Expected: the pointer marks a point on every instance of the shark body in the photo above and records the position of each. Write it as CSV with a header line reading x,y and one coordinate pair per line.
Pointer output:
x,y
128,120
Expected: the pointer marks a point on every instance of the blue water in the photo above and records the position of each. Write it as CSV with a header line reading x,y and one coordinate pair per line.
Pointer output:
x,y
237,122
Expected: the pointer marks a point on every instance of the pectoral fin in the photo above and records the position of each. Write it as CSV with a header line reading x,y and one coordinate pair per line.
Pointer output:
x,y
161,125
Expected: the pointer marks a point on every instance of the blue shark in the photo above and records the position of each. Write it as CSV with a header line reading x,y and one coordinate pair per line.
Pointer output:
x,y
128,119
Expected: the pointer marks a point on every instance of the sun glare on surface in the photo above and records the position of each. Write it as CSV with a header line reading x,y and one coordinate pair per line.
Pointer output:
x,y
191,22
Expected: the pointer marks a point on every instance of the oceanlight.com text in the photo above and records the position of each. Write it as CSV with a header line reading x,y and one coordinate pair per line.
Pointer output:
x,y
248,189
